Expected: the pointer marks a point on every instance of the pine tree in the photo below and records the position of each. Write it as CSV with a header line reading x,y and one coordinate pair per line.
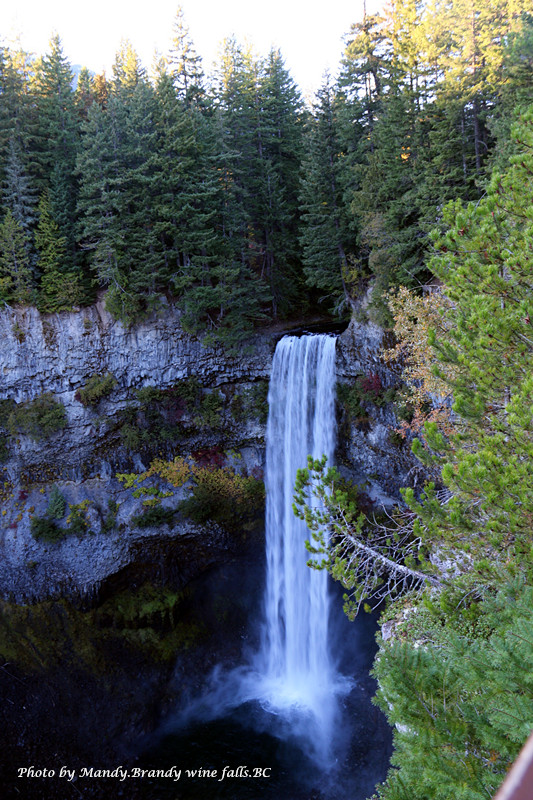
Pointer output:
x,y
118,192
185,64
517,92
279,145
128,71
136,185
101,89
17,109
188,196
424,83
59,287
98,207
261,110
15,271
215,289
85,94
18,193
325,238
58,141
234,151
461,704
364,69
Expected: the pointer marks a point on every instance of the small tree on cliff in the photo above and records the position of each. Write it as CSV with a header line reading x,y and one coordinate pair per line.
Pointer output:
x,y
59,289
373,562
15,271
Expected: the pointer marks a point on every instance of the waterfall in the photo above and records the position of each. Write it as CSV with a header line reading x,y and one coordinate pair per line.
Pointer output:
x,y
294,659
291,680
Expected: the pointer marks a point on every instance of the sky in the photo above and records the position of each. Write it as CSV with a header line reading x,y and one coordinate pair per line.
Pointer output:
x,y
311,42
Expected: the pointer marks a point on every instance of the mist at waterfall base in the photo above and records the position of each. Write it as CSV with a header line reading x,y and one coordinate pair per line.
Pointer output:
x,y
298,706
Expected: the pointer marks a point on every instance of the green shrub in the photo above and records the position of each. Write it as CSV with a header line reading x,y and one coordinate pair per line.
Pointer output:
x,y
46,529
238,407
4,449
96,388
378,310
157,417
251,402
111,519
7,407
189,390
149,394
154,516
404,411
259,396
224,496
18,333
39,418
396,438
56,504
210,411
366,389
349,397
128,307
389,395
77,518
131,436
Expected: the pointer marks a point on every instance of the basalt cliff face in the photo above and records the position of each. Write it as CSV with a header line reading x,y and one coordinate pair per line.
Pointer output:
x,y
204,401
58,355
368,450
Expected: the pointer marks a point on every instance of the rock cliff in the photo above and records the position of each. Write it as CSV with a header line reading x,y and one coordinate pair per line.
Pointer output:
x,y
367,448
168,395
59,354
153,607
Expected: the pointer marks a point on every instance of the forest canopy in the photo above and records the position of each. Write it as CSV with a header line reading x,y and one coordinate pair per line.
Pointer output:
x,y
225,194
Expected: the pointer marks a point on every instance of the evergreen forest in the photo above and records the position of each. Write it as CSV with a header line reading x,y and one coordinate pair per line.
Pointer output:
x,y
230,197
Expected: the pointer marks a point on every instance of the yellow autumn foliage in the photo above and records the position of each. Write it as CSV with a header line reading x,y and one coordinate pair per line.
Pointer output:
x,y
414,317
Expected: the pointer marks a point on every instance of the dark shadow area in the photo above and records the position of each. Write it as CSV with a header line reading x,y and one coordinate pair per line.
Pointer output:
x,y
84,688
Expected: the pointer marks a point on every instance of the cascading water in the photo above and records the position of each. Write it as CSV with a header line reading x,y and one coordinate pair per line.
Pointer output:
x,y
281,707
291,676
297,676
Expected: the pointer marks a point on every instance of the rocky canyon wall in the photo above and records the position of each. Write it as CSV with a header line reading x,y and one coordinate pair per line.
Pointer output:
x,y
168,395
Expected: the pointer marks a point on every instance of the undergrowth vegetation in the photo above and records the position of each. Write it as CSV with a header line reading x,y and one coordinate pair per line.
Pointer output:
x,y
39,418
215,491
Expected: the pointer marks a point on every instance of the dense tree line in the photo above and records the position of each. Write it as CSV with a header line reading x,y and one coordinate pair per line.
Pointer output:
x,y
419,114
152,187
227,195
